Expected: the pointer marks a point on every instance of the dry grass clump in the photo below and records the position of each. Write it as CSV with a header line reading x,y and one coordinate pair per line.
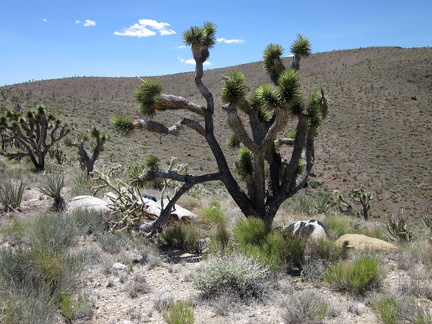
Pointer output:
x,y
306,307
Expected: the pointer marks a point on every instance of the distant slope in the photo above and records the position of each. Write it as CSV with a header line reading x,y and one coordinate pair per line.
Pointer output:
x,y
378,132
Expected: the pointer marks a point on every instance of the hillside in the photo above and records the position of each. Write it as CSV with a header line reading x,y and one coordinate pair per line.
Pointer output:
x,y
378,132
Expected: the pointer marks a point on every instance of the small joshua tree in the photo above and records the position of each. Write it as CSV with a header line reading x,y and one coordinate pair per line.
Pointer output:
x,y
36,133
86,160
268,110
360,196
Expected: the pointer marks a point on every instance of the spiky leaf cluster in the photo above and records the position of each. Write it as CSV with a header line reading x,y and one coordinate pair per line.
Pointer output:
x,y
266,96
201,39
272,58
122,124
147,94
244,165
151,161
289,84
234,88
301,46
297,105
134,176
314,109
233,141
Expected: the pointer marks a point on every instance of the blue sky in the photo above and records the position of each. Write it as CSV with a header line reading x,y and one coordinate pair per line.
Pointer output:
x,y
43,39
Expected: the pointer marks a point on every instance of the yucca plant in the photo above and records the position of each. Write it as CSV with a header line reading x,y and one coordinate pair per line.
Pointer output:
x,y
52,187
397,227
11,195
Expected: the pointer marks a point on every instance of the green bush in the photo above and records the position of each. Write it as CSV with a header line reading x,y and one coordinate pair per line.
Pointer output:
x,y
213,214
53,230
325,250
387,310
338,226
215,219
183,236
180,312
235,274
252,231
219,238
11,195
356,277
254,239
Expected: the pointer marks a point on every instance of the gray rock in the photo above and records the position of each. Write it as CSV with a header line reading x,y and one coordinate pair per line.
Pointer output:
x,y
119,266
88,203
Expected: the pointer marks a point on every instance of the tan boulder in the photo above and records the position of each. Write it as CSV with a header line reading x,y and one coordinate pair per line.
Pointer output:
x,y
362,242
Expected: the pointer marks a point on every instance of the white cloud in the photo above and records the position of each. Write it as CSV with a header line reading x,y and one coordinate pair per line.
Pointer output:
x,y
77,21
88,23
146,28
230,41
44,19
180,47
191,61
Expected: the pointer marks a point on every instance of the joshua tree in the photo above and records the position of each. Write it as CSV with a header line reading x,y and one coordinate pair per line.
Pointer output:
x,y
269,178
87,161
34,133
360,196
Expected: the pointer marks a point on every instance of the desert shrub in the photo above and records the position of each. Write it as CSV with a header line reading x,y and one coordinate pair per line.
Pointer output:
x,y
23,305
308,307
219,238
338,226
52,187
75,307
253,238
422,315
325,250
88,221
252,231
139,286
235,274
216,220
81,185
11,194
387,310
14,230
111,242
180,312
293,251
213,214
356,276
53,230
163,302
181,235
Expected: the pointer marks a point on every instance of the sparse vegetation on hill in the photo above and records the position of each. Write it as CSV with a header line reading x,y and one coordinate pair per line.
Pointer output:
x,y
376,134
